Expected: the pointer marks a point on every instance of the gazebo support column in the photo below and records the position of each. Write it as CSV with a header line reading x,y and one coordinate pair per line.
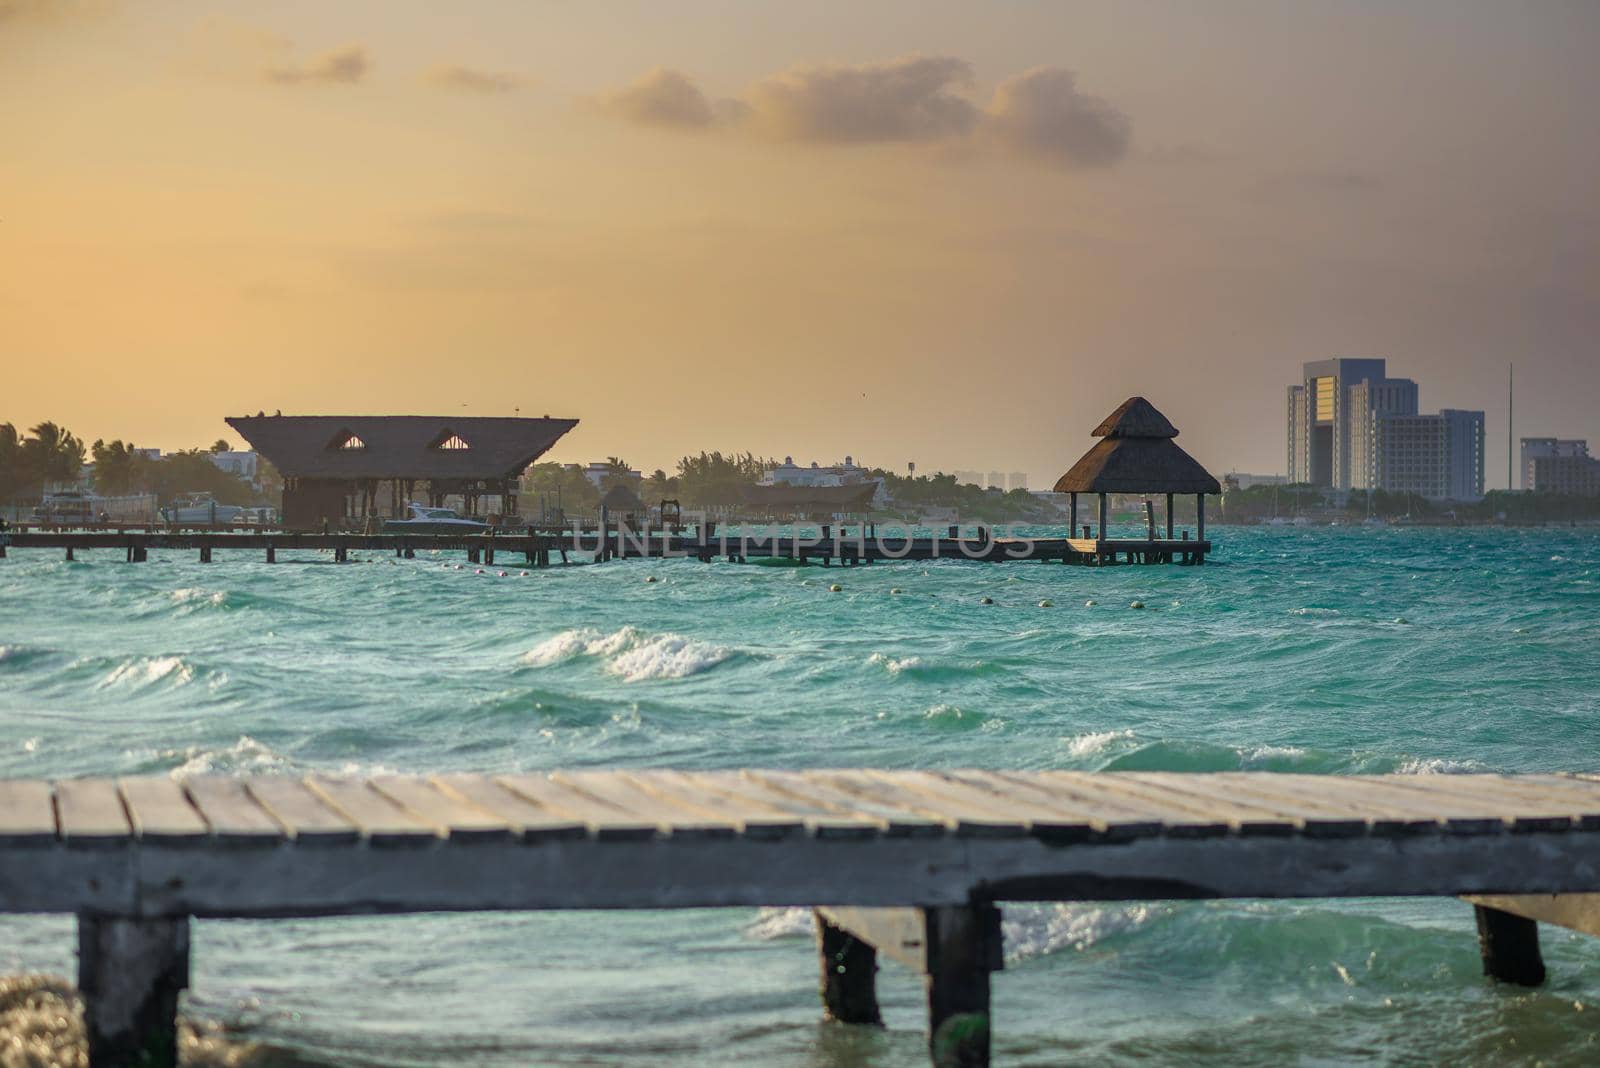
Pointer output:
x,y
1200,516
1100,533
1072,511
1169,517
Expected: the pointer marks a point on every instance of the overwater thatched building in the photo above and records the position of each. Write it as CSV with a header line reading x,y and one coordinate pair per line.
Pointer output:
x,y
336,467
819,503
1136,454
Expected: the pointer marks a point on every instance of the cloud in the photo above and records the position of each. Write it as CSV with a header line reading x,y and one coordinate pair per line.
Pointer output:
x,y
1338,182
907,99
910,100
468,80
662,97
342,66
1042,114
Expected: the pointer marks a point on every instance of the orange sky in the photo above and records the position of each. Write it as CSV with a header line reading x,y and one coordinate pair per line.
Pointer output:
x,y
951,233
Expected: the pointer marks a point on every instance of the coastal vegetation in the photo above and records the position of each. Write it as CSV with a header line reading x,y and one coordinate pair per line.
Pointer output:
x,y
49,456
1263,503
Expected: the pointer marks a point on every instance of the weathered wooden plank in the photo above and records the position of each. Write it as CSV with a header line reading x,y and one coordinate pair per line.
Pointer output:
x,y
998,812
1245,812
27,812
898,933
603,821
1520,810
1097,788
235,818
754,796
306,817
1547,795
753,820
528,822
1108,821
898,820
382,822
1313,793
449,816
1456,813
91,813
965,818
621,792
161,812
1577,912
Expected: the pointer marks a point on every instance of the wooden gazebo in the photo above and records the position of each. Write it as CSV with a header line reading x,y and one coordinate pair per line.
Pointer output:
x,y
1136,454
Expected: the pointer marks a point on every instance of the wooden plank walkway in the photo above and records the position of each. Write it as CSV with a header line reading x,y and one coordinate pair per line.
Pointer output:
x,y
540,548
916,863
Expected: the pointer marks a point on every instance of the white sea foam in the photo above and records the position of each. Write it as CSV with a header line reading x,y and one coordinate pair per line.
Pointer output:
x,y
145,669
631,653
1083,745
1033,931
1438,766
195,595
896,665
246,756
774,923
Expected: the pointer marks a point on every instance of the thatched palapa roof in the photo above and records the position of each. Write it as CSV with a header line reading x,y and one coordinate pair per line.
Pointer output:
x,y
399,446
620,500
1136,454
784,497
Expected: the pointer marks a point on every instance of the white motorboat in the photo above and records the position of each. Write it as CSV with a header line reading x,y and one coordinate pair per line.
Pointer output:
x,y
200,508
424,520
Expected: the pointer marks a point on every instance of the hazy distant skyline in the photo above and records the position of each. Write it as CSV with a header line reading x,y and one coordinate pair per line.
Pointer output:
x,y
950,233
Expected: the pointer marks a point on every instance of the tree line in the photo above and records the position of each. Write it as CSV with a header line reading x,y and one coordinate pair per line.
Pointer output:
x,y
48,456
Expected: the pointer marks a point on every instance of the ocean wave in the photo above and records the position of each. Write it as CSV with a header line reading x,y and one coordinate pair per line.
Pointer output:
x,y
773,923
144,670
244,757
633,654
1083,745
1438,766
917,667
1035,930
17,657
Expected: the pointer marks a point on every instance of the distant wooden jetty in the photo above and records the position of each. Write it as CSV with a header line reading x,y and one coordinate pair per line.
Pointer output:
x,y
915,865
828,545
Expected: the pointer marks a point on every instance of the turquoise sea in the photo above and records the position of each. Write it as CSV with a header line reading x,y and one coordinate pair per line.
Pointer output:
x,y
1330,651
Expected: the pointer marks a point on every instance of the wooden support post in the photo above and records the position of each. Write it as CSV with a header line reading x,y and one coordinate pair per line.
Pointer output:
x,y
130,972
1509,945
1200,516
954,948
472,554
849,975
1102,517
1072,511
963,947
272,553
1150,520
205,554
1169,517
69,553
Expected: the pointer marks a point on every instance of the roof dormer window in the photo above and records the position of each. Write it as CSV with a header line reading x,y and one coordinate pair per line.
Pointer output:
x,y
346,441
449,441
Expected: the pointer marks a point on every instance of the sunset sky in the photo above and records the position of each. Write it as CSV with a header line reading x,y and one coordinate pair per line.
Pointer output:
x,y
957,234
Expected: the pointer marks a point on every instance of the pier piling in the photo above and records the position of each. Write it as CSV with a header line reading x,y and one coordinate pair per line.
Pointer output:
x,y
849,975
130,972
1509,945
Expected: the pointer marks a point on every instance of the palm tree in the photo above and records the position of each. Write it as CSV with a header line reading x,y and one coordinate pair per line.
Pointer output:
x,y
221,445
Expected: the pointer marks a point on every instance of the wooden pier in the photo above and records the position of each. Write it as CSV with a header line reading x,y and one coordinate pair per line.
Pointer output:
x,y
827,546
915,865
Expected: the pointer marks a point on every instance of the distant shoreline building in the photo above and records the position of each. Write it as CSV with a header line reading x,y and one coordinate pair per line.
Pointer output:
x,y
1559,465
792,474
1351,426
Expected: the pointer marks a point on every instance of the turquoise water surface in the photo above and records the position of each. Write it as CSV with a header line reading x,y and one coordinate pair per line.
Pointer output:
x,y
1337,651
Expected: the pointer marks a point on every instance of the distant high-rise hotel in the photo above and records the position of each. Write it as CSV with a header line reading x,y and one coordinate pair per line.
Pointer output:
x,y
1353,427
1559,465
